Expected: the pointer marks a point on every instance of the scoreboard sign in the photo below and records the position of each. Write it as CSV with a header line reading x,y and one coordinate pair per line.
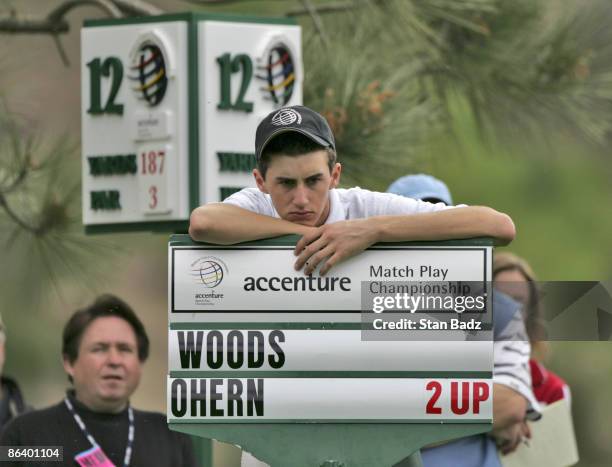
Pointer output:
x,y
329,399
251,340
170,105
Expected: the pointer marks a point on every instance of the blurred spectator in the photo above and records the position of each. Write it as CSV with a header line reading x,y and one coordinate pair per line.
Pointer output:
x,y
104,347
423,187
514,276
11,399
513,398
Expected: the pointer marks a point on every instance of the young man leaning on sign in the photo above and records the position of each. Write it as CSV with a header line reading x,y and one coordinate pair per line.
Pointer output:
x,y
297,177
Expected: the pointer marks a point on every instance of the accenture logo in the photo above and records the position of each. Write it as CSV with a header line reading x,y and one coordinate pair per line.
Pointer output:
x,y
209,272
297,284
286,117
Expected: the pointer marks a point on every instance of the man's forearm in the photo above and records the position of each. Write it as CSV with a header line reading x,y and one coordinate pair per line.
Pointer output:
x,y
225,224
466,222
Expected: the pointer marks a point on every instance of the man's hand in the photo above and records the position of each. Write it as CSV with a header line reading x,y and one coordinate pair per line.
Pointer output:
x,y
334,243
509,407
509,439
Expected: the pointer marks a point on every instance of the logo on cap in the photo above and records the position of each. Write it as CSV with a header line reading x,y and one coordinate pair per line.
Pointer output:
x,y
286,117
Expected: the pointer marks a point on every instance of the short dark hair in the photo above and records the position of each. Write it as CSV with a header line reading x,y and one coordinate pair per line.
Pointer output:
x,y
292,144
104,306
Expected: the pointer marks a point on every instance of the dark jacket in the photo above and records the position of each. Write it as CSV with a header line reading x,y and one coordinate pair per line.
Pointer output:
x,y
11,402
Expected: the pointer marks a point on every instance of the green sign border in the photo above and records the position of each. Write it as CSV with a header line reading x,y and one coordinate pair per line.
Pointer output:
x,y
330,374
190,16
288,240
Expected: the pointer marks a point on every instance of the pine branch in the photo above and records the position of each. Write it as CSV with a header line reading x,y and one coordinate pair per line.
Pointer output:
x,y
316,20
327,8
64,8
137,8
334,7
16,219
55,23
15,25
212,2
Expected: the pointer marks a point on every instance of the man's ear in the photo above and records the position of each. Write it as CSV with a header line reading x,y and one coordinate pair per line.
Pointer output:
x,y
335,175
67,366
261,183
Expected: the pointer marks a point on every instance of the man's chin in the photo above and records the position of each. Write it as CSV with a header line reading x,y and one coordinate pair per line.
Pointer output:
x,y
115,392
113,396
309,221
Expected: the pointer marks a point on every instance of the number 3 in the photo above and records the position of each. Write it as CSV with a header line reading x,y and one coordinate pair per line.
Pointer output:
x,y
153,200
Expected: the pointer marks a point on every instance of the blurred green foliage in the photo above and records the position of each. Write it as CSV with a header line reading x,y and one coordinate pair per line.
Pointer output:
x,y
558,192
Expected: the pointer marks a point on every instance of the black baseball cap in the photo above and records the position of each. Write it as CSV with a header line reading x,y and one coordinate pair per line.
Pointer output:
x,y
295,118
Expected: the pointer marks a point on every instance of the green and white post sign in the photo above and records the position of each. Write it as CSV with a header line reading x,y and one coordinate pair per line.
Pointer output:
x,y
170,105
309,370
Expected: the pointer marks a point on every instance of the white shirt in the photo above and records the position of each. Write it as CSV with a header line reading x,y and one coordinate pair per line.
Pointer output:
x,y
345,204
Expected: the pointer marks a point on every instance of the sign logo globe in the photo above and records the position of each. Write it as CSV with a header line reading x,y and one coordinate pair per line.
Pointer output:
x,y
208,271
277,71
149,73
211,273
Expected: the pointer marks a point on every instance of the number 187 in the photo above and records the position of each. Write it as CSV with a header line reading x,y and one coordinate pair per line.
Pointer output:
x,y
152,162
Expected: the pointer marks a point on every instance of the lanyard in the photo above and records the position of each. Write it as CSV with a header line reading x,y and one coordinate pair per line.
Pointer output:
x,y
130,441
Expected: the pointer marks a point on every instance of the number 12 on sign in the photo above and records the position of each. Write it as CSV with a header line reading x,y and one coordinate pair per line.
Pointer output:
x,y
152,179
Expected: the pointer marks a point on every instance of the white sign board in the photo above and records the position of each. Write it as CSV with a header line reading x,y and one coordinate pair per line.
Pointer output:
x,y
243,350
252,340
329,399
169,107
134,123
229,285
246,71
